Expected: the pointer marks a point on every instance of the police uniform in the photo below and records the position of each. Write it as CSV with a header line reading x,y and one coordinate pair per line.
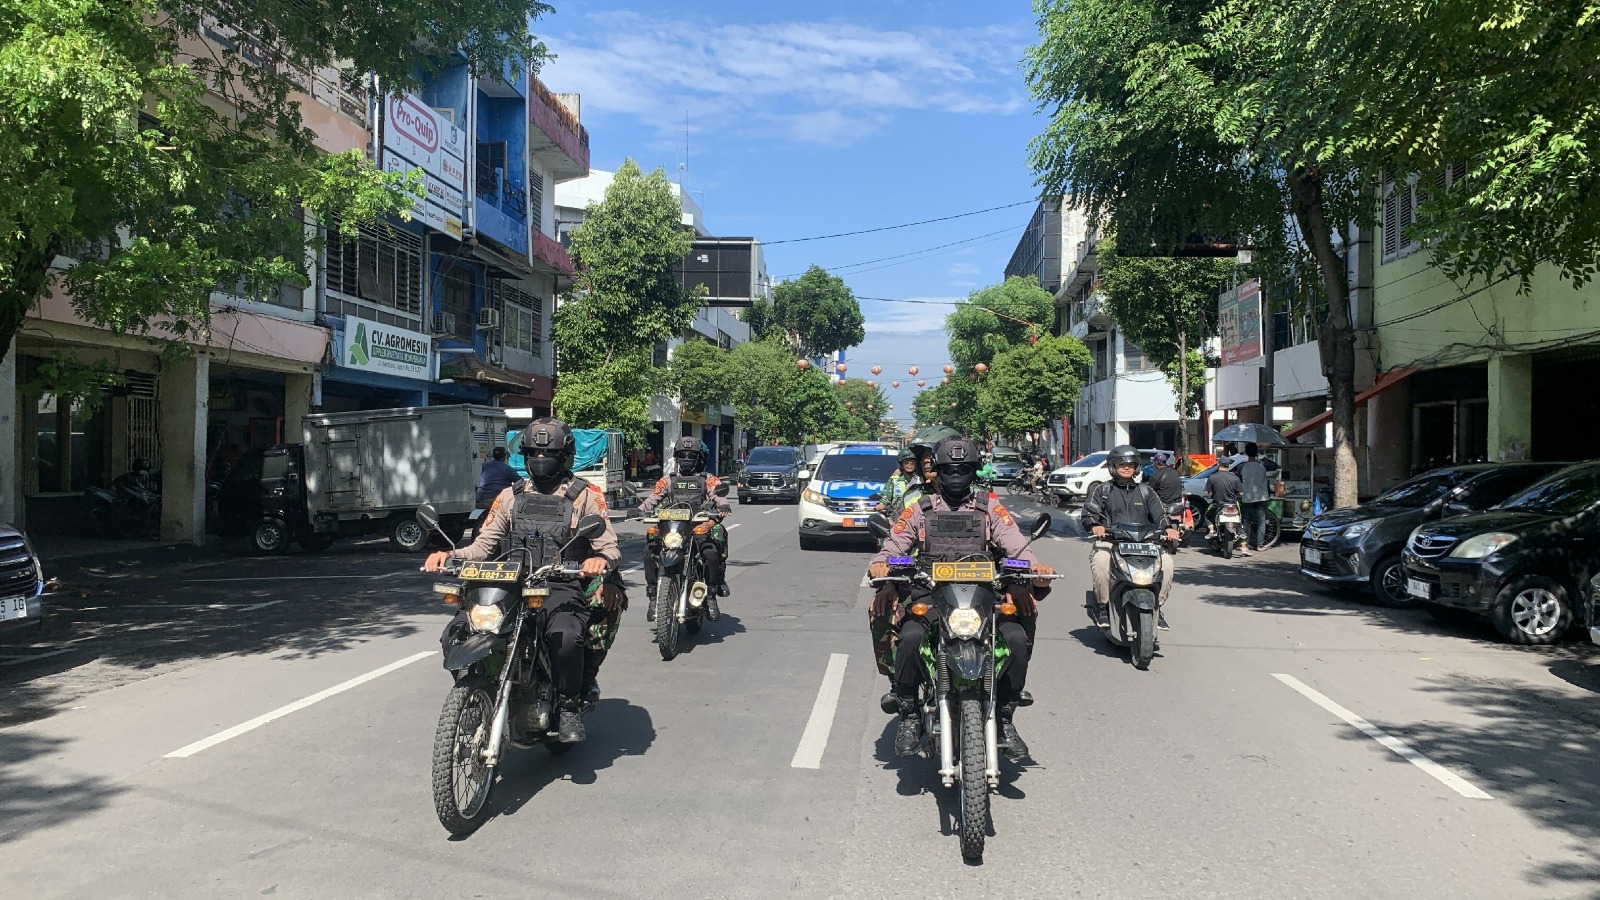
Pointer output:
x,y
694,491
582,623
937,530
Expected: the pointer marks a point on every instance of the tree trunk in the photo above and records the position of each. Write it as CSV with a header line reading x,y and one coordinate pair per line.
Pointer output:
x,y
1183,393
1337,343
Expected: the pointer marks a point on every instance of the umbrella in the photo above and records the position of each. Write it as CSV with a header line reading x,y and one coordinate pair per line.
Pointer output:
x,y
1251,432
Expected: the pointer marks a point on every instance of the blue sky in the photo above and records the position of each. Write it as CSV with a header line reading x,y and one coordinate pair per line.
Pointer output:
x,y
817,118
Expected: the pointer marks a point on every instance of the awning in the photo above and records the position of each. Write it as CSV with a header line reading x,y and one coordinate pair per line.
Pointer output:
x,y
1383,383
472,368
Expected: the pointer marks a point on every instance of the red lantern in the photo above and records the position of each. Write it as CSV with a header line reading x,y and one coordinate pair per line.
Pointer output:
x,y
802,364
894,384
922,383
949,369
980,368
913,370
944,381
952,404
872,384
842,367
877,370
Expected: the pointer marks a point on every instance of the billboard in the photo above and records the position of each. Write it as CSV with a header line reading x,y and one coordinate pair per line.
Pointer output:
x,y
731,270
375,347
1239,323
416,136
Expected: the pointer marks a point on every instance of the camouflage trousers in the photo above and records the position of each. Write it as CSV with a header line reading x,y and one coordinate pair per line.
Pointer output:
x,y
602,632
885,630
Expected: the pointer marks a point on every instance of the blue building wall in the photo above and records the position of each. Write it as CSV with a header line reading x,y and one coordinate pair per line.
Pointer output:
x,y
503,212
448,90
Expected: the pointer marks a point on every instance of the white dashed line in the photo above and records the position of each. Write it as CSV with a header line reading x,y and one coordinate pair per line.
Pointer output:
x,y
263,605
296,706
632,569
770,511
815,738
1402,749
734,525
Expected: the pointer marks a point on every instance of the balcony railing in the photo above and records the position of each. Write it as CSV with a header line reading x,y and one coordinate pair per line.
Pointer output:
x,y
502,194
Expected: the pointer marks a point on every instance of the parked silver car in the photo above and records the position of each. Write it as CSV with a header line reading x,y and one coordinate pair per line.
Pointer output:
x,y
22,583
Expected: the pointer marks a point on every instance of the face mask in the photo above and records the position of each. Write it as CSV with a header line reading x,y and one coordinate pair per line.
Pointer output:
x,y
543,469
956,481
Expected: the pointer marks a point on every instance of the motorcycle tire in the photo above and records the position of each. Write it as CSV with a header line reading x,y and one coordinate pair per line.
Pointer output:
x,y
1227,546
1144,644
1274,531
667,593
468,708
974,780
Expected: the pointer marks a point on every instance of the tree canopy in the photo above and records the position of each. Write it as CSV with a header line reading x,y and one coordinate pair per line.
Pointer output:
x,y
614,394
814,315
771,396
992,319
1031,385
119,153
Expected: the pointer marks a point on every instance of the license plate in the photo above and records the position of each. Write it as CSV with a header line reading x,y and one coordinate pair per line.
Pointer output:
x,y
963,571
1418,588
13,608
491,571
1140,550
1310,556
853,523
675,515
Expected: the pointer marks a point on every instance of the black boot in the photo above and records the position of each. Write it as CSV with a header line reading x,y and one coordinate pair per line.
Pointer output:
x,y
591,675
908,737
1011,743
650,605
713,611
571,728
716,581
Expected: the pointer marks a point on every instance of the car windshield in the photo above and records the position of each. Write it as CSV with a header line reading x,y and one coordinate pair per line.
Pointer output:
x,y
1090,461
1559,495
1006,457
1424,489
773,456
871,467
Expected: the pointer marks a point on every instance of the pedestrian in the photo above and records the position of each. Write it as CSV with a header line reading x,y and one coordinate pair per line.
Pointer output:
x,y
497,475
1253,502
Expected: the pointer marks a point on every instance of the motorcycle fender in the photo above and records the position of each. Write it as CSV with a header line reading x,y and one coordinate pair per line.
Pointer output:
x,y
1139,598
471,650
966,657
671,560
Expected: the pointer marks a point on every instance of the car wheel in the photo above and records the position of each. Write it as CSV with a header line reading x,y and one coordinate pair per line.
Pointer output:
x,y
407,534
1389,584
1532,610
270,537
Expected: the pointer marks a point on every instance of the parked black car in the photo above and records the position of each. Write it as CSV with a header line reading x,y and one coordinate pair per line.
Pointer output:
x,y
263,500
1362,545
771,473
22,583
1523,563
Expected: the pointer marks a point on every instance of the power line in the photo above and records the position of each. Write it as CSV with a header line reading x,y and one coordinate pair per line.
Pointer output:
x,y
913,252
824,237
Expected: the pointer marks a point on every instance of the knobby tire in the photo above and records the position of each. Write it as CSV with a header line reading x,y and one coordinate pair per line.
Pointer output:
x,y
974,780
667,591
457,819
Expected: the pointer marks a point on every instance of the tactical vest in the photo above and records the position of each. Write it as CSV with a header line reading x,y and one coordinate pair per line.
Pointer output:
x,y
543,522
688,489
950,535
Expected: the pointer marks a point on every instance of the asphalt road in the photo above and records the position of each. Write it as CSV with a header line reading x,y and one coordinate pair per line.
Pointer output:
x,y
1289,742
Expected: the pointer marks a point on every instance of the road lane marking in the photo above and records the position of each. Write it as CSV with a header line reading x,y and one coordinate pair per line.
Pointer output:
x,y
19,660
296,706
814,739
770,511
734,525
631,570
255,606
1402,749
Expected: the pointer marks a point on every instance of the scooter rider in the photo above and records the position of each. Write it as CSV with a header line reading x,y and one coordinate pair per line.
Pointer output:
x,y
548,505
694,486
994,532
1123,501
1223,487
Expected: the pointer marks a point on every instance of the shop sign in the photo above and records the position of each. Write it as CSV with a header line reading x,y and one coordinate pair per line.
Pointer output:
x,y
1239,323
415,136
375,347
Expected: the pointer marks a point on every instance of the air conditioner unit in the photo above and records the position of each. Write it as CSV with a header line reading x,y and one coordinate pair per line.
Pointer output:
x,y
488,319
444,323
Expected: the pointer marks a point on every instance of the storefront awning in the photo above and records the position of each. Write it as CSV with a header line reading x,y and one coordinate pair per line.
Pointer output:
x,y
1383,383
473,368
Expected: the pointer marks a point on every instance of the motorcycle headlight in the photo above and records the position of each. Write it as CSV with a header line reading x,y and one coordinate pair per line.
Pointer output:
x,y
673,541
1357,530
1479,546
1143,576
486,618
964,623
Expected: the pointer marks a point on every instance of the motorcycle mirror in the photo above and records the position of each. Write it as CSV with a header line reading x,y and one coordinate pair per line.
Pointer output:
x,y
428,516
591,526
722,489
1041,526
878,524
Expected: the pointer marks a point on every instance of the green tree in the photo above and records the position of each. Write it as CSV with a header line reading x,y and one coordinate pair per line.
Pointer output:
x,y
993,319
1031,385
1167,307
119,153
778,400
701,374
814,315
866,410
954,404
613,394
626,297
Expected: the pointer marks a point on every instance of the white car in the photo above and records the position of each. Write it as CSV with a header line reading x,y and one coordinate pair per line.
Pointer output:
x,y
838,500
1070,484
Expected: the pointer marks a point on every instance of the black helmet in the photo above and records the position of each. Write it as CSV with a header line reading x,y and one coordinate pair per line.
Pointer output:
x,y
1120,454
691,453
547,450
957,460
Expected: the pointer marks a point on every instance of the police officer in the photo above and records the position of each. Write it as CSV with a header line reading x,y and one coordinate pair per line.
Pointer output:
x,y
988,529
694,486
542,514
1123,501
900,482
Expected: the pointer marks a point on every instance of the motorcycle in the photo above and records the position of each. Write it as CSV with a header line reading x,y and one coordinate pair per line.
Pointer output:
x,y
130,505
681,589
1181,514
1135,590
964,655
504,692
1227,530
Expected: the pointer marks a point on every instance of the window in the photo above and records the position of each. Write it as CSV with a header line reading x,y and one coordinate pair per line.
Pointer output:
x,y
491,168
455,301
1133,358
378,275
521,319
1400,202
536,200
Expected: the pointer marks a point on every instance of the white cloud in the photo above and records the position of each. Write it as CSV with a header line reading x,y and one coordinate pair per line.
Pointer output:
x,y
826,83
924,318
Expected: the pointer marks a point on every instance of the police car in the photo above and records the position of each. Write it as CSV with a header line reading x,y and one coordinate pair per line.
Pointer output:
x,y
838,500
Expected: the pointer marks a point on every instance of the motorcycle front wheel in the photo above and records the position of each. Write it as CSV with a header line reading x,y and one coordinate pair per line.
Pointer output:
x,y
1144,648
974,780
667,596
461,781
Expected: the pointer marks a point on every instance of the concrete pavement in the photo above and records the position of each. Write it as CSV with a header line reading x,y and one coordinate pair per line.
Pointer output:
x,y
1211,775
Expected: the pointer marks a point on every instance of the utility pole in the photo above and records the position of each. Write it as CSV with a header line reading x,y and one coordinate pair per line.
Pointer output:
x,y
1183,391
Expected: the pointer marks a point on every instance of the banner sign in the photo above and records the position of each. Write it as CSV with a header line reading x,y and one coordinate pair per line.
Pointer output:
x,y
1239,323
416,136
375,347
